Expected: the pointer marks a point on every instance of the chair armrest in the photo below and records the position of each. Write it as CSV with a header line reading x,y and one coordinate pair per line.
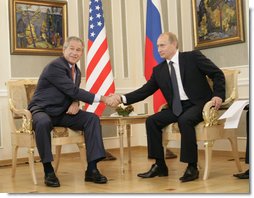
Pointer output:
x,y
228,101
19,112
210,115
26,118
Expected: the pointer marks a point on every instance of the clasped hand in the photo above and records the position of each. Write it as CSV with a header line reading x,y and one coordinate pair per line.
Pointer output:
x,y
73,108
217,101
113,100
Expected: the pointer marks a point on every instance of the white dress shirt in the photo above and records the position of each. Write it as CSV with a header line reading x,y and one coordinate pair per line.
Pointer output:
x,y
97,97
175,60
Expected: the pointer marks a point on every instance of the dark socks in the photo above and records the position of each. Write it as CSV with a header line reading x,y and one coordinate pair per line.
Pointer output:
x,y
48,168
91,166
194,165
161,163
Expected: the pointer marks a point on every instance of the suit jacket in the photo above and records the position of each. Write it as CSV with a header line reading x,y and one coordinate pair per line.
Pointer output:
x,y
56,91
194,67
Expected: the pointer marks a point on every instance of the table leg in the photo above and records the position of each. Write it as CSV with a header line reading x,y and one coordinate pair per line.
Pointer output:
x,y
120,129
128,129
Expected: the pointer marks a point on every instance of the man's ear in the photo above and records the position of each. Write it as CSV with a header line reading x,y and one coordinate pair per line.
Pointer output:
x,y
174,43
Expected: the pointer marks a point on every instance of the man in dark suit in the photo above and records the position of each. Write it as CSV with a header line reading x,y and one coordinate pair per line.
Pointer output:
x,y
56,103
245,175
191,70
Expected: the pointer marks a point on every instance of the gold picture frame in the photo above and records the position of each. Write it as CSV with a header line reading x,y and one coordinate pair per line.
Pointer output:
x,y
38,27
217,23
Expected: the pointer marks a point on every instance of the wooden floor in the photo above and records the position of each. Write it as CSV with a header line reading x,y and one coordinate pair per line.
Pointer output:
x,y
72,179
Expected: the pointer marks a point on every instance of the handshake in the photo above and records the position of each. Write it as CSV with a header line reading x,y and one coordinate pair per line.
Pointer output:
x,y
113,100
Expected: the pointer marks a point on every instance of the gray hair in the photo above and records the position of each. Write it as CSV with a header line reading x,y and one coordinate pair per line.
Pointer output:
x,y
72,38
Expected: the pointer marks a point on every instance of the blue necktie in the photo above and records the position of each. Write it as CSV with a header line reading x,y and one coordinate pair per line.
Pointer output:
x,y
176,105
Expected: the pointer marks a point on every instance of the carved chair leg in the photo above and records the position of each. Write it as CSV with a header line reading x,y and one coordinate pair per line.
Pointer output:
x,y
82,151
208,158
235,153
14,160
31,164
57,156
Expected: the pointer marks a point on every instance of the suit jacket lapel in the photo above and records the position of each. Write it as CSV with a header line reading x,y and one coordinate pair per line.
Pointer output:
x,y
67,66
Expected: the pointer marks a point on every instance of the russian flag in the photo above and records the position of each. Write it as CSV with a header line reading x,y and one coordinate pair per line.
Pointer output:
x,y
152,57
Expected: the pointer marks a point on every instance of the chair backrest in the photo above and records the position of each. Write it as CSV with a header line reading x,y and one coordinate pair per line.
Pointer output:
x,y
231,77
19,97
21,92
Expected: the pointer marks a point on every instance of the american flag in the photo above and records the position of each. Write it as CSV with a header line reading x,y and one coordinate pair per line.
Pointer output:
x,y
99,76
152,57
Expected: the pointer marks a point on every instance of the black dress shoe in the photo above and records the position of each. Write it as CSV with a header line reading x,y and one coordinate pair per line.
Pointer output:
x,y
155,171
244,175
190,174
51,180
95,177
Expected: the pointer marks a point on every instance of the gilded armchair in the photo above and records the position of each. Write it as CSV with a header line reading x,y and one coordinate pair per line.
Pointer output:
x,y
211,128
20,93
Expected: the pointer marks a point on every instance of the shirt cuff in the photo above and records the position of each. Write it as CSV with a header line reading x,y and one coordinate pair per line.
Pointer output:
x,y
97,98
123,99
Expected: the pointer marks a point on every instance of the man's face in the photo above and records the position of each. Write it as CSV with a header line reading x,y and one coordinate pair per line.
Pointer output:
x,y
73,52
165,48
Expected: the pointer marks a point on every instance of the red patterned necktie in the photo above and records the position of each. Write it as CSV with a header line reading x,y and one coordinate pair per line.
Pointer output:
x,y
73,72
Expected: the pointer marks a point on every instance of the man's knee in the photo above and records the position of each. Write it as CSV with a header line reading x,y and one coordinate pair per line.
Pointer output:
x,y
90,119
150,121
186,121
44,123
95,118
183,120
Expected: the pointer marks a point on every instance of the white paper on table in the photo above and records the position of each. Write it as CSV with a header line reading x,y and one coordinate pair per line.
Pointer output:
x,y
233,114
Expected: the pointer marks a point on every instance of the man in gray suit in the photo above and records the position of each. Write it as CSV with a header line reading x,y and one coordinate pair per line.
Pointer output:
x,y
56,103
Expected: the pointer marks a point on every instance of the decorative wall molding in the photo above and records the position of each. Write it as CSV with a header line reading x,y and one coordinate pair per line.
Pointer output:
x,y
1,128
244,74
3,93
242,81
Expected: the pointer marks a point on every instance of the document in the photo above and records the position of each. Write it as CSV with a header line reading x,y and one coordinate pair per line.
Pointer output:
x,y
233,114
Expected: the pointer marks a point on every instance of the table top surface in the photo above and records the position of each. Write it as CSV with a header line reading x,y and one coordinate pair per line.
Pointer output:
x,y
139,116
124,120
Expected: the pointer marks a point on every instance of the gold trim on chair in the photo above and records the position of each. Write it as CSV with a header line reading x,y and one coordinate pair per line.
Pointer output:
x,y
211,128
20,93
210,115
26,126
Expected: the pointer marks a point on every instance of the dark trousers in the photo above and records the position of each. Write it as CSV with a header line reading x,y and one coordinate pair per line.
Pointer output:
x,y
191,116
84,121
247,140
